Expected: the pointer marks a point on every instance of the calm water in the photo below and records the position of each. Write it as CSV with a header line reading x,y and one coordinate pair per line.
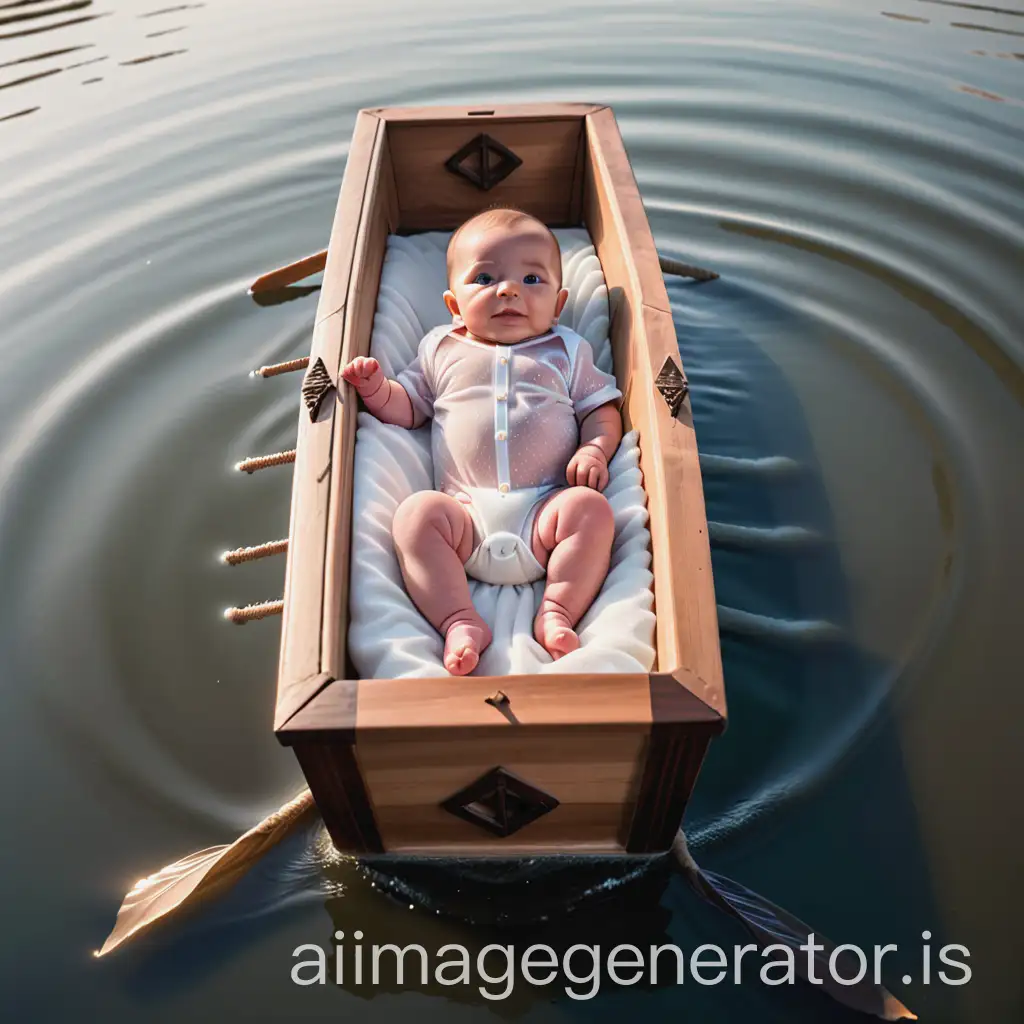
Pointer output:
x,y
855,174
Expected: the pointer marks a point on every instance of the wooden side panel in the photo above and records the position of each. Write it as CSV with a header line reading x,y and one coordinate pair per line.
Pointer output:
x,y
376,221
593,773
673,759
430,197
299,671
334,778
359,167
485,113
684,593
399,709
643,337
621,213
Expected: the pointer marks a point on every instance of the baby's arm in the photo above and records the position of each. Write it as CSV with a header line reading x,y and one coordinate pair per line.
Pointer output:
x,y
600,434
386,399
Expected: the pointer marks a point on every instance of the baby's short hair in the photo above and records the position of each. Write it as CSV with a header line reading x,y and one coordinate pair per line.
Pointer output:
x,y
504,215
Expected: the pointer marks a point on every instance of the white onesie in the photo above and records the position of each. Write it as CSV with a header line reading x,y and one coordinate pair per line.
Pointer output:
x,y
505,425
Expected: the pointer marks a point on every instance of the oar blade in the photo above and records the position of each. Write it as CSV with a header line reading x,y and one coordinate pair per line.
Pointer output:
x,y
201,875
771,925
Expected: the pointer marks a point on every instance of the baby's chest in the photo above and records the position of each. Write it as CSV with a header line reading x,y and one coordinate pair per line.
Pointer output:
x,y
503,375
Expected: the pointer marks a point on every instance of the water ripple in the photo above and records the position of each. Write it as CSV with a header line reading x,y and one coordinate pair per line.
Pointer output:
x,y
857,374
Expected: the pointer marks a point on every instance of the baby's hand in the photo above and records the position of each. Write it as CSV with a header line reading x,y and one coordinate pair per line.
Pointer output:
x,y
363,373
588,468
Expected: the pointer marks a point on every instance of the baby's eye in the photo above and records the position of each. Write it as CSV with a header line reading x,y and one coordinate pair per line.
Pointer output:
x,y
531,279
483,278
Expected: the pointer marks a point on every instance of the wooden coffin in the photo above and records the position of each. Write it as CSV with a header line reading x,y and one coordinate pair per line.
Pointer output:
x,y
552,764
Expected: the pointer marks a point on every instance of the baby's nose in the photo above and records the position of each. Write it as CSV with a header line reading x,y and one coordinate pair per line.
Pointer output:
x,y
508,288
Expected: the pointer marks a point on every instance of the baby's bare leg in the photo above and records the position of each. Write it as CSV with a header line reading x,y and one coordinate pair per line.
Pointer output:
x,y
572,535
433,536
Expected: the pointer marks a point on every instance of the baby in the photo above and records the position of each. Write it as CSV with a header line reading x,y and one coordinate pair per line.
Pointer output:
x,y
524,425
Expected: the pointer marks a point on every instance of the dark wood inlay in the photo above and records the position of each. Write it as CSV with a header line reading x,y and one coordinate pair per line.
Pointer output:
x,y
333,774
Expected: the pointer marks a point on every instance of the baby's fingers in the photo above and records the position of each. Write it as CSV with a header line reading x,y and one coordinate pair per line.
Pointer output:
x,y
361,366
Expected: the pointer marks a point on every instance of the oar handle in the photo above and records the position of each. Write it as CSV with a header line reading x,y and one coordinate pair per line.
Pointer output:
x,y
284,276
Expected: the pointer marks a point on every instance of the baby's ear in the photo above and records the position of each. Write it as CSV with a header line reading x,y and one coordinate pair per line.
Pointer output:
x,y
560,302
451,302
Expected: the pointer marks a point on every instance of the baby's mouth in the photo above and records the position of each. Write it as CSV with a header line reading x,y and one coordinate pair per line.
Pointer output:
x,y
510,313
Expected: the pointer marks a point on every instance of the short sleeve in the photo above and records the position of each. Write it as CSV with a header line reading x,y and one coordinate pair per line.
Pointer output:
x,y
590,387
418,380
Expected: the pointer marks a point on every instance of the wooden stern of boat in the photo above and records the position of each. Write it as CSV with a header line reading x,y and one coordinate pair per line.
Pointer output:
x,y
506,765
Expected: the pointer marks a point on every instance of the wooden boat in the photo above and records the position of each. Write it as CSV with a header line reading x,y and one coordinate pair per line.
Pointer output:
x,y
506,765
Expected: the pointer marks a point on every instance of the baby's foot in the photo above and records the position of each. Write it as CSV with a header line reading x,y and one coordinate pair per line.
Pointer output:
x,y
553,630
464,641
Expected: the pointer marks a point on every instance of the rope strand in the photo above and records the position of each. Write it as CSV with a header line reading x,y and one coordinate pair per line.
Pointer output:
x,y
240,616
275,368
239,555
264,461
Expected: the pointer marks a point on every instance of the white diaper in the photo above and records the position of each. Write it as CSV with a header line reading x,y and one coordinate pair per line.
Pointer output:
x,y
504,528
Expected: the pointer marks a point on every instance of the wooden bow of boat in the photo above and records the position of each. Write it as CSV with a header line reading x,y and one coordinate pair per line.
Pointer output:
x,y
618,755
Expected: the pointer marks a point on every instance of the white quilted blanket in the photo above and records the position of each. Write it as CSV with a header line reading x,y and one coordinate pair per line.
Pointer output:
x,y
388,638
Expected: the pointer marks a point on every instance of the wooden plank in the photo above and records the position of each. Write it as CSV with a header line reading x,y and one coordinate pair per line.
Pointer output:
x,y
431,197
643,336
399,706
620,278
299,666
294,696
587,766
674,757
577,190
684,592
334,778
622,212
404,709
340,249
376,220
581,828
335,703
514,846
682,698
484,113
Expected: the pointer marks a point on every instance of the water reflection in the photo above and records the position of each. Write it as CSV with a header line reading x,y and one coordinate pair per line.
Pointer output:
x,y
986,28
18,113
151,56
34,20
974,7
50,28
44,56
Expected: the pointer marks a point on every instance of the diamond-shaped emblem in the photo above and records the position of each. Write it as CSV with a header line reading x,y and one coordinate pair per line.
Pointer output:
x,y
484,162
672,385
500,802
315,387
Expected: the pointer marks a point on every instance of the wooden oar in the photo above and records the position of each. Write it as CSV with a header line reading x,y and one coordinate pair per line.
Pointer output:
x,y
679,269
771,926
284,276
208,872
202,875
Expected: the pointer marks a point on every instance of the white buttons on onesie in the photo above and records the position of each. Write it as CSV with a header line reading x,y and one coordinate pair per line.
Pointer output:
x,y
505,424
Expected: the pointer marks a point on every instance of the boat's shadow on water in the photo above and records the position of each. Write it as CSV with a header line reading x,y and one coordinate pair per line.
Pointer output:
x,y
806,705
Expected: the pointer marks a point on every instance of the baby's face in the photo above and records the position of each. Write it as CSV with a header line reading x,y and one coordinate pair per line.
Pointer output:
x,y
505,282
